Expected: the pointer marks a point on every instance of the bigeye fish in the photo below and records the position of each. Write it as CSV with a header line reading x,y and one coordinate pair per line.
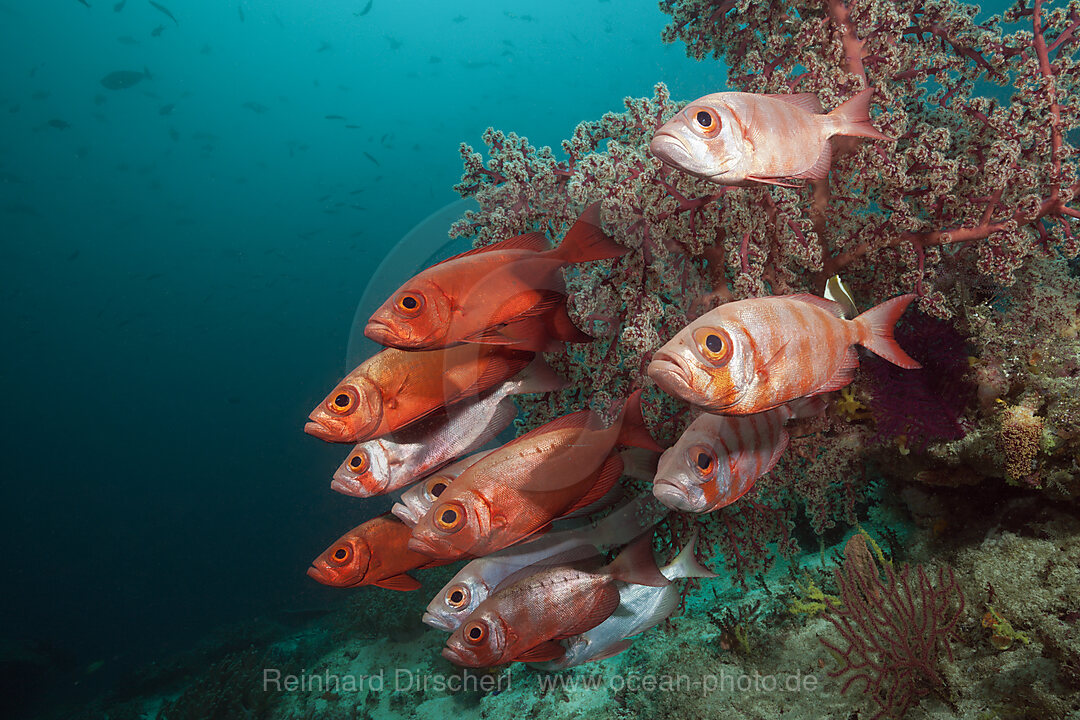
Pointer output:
x,y
719,457
525,620
510,293
753,355
384,464
735,138
417,500
394,388
641,607
479,578
374,553
521,487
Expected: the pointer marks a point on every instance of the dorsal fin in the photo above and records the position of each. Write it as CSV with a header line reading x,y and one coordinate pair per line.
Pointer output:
x,y
828,305
809,102
535,241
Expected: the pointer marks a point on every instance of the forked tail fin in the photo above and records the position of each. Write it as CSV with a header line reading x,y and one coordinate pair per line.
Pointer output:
x,y
586,241
854,117
875,327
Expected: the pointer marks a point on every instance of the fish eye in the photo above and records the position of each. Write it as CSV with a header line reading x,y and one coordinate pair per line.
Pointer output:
x,y
458,597
436,486
475,632
341,555
714,344
359,462
704,460
450,517
409,304
343,401
707,121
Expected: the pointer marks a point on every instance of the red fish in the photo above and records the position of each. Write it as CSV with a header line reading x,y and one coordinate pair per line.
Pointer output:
x,y
735,138
510,293
753,355
374,553
394,388
517,490
526,617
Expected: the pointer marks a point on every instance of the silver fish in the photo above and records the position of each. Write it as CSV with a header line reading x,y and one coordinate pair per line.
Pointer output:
x,y
477,580
641,607
417,500
388,463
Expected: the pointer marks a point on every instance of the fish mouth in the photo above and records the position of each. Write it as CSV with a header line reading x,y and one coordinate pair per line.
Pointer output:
x,y
665,367
454,656
671,149
438,622
377,331
348,486
425,547
405,514
673,496
317,429
319,576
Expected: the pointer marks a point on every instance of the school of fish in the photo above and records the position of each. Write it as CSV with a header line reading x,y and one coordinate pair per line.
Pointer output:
x,y
464,336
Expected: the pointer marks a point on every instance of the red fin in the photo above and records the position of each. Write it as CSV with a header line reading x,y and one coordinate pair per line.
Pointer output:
x,y
772,181
854,117
634,432
605,602
535,241
577,419
606,477
820,169
586,241
809,102
545,651
402,583
561,327
876,331
636,564
497,369
827,305
613,650
844,375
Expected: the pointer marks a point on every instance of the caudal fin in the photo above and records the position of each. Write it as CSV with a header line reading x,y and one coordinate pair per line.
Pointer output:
x,y
876,331
634,432
636,564
686,565
586,241
854,117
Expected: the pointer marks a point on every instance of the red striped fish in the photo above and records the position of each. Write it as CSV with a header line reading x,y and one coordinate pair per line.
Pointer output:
x,y
754,355
718,458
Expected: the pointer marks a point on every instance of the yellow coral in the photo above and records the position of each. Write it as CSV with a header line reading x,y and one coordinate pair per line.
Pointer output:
x,y
850,407
814,601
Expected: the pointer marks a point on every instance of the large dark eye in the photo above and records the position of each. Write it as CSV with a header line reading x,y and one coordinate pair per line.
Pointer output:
x,y
359,462
458,597
707,121
450,517
704,460
704,119
436,486
475,632
714,344
409,304
343,401
342,554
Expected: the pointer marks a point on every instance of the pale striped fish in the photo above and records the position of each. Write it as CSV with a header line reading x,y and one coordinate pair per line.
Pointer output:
x,y
417,500
753,355
387,463
736,138
478,579
718,458
641,607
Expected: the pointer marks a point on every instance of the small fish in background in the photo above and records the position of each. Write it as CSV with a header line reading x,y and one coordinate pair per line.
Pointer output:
x,y
370,157
58,124
393,388
434,60
84,2
162,9
641,607
373,553
355,127
324,47
167,109
240,12
255,107
475,582
124,79
127,40
718,458
156,32
119,6
753,355
734,138
394,43
174,134
366,10
459,19
524,620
